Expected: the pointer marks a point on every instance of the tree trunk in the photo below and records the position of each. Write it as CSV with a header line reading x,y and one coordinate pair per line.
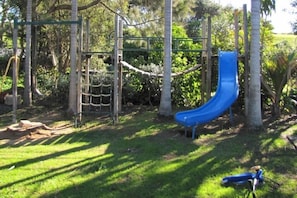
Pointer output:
x,y
73,43
165,108
34,42
2,21
254,102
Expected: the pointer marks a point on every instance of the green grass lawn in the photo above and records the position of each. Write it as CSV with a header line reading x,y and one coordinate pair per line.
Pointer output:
x,y
144,156
290,38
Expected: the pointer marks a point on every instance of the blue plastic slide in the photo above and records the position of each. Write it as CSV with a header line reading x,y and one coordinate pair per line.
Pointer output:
x,y
226,93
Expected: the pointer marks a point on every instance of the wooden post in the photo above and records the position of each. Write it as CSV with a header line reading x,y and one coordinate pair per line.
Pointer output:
x,y
204,53
116,76
236,29
79,68
120,65
246,59
15,72
28,64
209,62
88,61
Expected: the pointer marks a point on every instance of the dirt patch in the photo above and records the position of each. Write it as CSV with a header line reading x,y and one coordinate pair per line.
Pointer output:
x,y
16,136
50,123
58,124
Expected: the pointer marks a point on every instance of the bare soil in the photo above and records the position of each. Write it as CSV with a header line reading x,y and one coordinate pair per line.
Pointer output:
x,y
49,118
52,117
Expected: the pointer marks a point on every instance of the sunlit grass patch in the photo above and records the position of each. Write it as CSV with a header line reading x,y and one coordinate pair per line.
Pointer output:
x,y
290,38
143,156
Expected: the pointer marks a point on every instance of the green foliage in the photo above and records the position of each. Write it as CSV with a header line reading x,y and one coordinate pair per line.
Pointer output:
x,y
6,81
187,90
279,67
147,90
222,31
267,6
54,86
205,8
178,31
266,35
142,89
194,28
3,63
6,84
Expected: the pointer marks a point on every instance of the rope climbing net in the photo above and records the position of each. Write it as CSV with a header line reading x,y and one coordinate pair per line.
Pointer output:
x,y
97,93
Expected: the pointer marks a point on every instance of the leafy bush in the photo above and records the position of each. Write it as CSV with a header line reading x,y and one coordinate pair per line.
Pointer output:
x,y
279,66
142,89
54,86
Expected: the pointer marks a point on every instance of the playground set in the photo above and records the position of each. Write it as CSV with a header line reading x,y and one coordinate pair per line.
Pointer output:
x,y
105,95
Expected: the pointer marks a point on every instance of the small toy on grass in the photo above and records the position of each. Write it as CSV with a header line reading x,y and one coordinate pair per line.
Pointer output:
x,y
252,178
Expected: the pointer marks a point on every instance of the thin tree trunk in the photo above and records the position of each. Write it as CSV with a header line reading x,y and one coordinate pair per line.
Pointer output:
x,y
246,60
73,43
165,104
254,103
4,16
34,53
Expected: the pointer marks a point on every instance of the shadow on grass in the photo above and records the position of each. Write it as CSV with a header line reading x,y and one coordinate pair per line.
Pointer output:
x,y
145,158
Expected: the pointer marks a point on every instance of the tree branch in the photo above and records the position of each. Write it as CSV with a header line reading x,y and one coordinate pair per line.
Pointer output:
x,y
54,8
111,10
68,6
268,88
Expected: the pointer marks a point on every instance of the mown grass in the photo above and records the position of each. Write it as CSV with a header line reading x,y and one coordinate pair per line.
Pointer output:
x,y
144,156
290,38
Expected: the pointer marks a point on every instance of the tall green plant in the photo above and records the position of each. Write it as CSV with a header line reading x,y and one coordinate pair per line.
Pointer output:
x,y
279,65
